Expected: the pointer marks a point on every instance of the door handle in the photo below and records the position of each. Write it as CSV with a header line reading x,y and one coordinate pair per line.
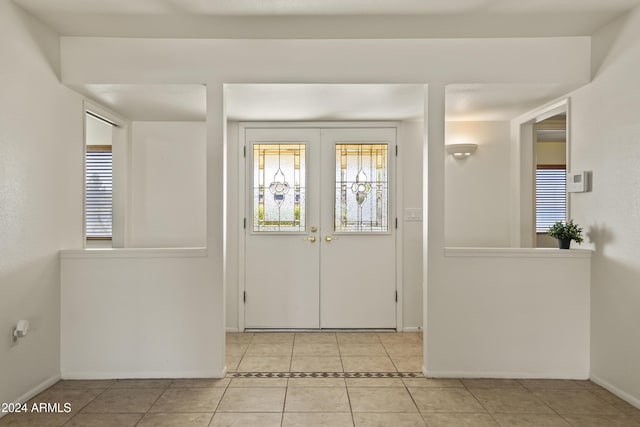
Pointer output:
x,y
330,239
310,238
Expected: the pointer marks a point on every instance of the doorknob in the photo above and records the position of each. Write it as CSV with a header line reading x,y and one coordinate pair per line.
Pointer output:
x,y
330,239
310,238
313,229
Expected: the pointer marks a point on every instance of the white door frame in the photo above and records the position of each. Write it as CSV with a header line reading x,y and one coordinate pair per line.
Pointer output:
x,y
242,194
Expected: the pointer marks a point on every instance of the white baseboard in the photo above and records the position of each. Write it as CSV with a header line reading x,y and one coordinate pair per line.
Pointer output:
x,y
506,375
142,375
615,390
228,329
412,329
35,391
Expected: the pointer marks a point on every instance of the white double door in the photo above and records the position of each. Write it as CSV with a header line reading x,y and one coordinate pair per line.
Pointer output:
x,y
320,246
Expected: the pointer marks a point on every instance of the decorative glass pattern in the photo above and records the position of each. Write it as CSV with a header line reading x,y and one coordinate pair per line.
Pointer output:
x,y
279,187
362,188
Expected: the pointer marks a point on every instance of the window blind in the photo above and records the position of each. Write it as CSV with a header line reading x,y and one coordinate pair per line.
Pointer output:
x,y
551,197
99,192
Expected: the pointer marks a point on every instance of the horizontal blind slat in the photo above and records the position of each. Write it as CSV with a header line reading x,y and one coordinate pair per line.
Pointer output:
x,y
99,194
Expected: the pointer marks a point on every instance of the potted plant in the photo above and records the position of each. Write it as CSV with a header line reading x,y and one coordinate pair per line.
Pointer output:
x,y
565,233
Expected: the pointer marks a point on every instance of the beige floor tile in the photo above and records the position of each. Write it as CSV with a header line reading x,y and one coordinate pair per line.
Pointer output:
x,y
258,399
403,349
316,349
200,382
491,383
445,400
316,364
246,420
124,400
362,349
317,399
388,419
576,402
233,349
292,419
374,382
553,384
188,400
408,363
77,398
34,420
239,337
258,382
85,384
232,363
315,338
595,420
510,400
142,383
367,364
530,420
388,338
357,337
316,382
264,364
272,338
432,382
381,400
104,420
175,420
460,420
627,408
272,349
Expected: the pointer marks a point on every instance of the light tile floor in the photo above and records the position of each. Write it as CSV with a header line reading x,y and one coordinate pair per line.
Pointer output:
x,y
264,389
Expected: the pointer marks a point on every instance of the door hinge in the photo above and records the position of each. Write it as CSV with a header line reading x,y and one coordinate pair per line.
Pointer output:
x,y
244,151
244,223
244,296
396,151
396,223
396,296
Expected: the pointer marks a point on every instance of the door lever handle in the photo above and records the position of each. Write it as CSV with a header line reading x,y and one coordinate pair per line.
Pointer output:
x,y
310,238
330,239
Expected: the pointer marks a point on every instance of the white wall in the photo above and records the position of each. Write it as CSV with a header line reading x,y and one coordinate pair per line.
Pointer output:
x,y
605,139
131,313
168,184
41,151
477,187
531,320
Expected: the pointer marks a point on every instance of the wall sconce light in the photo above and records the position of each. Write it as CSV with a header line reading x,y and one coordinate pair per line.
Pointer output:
x,y
461,151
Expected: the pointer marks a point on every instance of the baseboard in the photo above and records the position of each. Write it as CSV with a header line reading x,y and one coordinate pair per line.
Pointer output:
x,y
507,375
35,391
142,375
615,390
412,329
228,329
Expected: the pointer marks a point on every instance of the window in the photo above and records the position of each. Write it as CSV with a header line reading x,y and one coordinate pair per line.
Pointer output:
x,y
98,209
99,192
551,196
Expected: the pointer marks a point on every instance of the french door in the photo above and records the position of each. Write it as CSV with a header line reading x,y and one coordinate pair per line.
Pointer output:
x,y
320,229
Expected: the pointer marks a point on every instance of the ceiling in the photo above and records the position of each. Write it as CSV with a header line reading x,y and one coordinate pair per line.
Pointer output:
x,y
253,102
327,18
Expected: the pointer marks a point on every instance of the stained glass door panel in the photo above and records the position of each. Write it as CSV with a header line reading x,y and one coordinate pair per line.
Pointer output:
x,y
362,188
282,276
279,187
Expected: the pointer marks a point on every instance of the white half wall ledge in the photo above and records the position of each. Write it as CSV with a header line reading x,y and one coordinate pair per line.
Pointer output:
x,y
517,253
134,253
581,375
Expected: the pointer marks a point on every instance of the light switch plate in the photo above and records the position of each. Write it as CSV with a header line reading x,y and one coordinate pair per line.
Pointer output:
x,y
413,214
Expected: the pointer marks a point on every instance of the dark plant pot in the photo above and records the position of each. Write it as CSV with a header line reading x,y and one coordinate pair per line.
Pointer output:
x,y
564,243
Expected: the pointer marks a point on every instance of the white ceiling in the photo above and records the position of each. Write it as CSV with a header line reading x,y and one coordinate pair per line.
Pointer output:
x,y
253,102
327,18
